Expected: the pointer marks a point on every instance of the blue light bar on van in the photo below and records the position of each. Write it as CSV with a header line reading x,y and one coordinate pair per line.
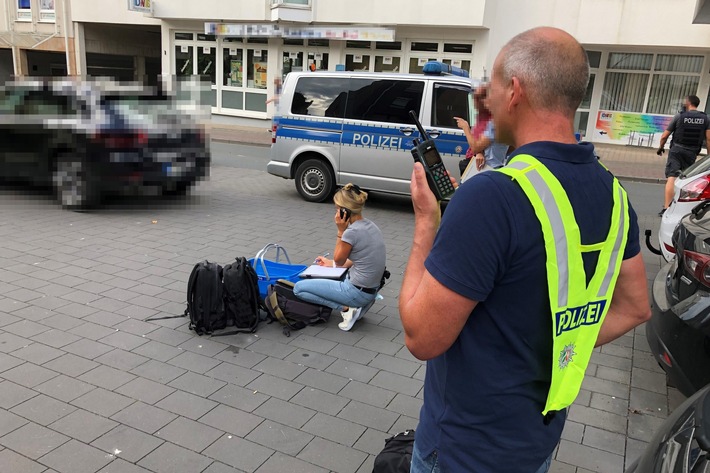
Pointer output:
x,y
441,68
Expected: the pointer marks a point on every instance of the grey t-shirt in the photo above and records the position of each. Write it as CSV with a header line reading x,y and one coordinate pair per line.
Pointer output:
x,y
368,253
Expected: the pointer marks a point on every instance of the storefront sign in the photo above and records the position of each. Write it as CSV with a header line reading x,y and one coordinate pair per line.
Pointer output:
x,y
636,129
310,32
143,6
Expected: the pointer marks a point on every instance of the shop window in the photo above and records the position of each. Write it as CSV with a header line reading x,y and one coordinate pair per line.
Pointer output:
x,y
291,2
206,62
292,62
458,48
630,61
293,42
668,92
391,45
460,63
594,58
189,36
677,63
624,92
258,41
387,64
384,100
351,44
320,97
233,67
319,43
587,100
318,61
428,47
357,62
206,37
257,60
581,120
416,64
183,60
46,10
24,12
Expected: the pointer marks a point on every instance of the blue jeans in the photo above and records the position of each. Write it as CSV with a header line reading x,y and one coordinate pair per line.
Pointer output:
x,y
332,293
430,464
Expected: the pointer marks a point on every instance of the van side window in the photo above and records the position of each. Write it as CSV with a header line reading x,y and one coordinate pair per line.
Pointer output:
x,y
384,100
450,101
320,96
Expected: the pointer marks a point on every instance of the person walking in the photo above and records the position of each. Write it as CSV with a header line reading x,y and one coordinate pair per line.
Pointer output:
x,y
689,128
507,300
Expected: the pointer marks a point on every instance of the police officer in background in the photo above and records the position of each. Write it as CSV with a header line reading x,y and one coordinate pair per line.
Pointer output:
x,y
689,128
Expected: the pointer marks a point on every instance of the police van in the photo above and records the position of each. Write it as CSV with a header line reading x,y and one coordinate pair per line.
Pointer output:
x,y
332,128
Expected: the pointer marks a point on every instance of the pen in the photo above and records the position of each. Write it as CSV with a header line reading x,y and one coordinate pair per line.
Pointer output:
x,y
316,260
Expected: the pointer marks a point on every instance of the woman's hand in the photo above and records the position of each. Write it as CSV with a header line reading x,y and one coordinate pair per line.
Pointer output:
x,y
480,161
341,222
323,261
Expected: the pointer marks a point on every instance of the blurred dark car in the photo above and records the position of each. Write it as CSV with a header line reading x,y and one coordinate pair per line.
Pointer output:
x,y
89,139
679,329
682,443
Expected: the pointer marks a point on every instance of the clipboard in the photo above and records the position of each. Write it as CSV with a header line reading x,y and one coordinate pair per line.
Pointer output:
x,y
316,271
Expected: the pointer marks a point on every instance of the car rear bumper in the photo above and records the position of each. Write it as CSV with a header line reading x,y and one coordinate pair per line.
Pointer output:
x,y
278,168
677,347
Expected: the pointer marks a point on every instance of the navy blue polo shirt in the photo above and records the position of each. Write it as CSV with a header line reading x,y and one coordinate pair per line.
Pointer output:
x,y
483,398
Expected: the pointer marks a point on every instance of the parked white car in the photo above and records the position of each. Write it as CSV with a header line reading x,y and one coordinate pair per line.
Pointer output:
x,y
691,188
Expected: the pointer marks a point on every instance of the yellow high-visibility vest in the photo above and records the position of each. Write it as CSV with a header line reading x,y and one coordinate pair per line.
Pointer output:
x,y
578,310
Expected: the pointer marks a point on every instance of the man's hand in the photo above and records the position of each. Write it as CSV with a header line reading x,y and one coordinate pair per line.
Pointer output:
x,y
423,199
661,151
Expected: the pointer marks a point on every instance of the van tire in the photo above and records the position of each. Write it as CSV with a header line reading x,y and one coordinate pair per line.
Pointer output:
x,y
314,180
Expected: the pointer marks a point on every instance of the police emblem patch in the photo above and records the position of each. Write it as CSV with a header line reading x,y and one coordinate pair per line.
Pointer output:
x,y
566,356
459,149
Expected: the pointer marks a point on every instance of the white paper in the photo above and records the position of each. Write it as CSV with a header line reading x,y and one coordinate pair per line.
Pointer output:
x,y
206,50
422,61
318,56
323,272
456,63
184,49
387,60
257,52
293,55
232,51
357,58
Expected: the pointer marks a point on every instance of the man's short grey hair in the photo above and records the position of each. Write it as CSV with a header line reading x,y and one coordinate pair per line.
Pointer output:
x,y
554,74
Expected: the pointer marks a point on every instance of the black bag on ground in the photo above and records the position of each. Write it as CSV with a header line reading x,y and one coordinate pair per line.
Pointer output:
x,y
241,296
396,457
293,313
204,298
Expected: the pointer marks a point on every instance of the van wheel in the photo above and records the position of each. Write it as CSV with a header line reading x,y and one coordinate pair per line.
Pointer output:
x,y
314,180
74,183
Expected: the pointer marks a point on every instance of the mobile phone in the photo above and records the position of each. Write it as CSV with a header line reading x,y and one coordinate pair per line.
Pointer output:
x,y
425,152
345,213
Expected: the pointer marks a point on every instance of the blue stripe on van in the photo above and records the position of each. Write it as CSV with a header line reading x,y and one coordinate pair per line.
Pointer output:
x,y
384,136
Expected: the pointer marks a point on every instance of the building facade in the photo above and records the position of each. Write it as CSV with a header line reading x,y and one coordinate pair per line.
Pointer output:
x,y
646,55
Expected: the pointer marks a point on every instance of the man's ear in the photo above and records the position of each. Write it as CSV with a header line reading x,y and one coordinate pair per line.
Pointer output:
x,y
515,94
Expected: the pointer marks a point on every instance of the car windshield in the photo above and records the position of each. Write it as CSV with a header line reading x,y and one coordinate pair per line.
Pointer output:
x,y
140,109
701,166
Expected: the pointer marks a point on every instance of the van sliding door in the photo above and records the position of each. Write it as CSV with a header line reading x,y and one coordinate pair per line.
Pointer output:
x,y
377,133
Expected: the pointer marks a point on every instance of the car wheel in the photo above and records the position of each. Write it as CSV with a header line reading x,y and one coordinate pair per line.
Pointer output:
x,y
314,180
73,182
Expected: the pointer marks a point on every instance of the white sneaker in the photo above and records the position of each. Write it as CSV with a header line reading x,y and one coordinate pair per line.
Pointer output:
x,y
350,316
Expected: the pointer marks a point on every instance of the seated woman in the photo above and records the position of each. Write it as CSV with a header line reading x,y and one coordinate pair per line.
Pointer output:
x,y
360,247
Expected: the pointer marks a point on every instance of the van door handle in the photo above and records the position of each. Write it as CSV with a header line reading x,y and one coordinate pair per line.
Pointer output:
x,y
434,133
407,131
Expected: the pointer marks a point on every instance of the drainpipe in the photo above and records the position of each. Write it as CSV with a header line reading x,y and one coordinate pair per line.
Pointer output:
x,y
66,35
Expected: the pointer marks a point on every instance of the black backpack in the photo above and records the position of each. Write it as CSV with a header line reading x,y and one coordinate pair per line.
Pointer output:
x,y
204,298
293,313
396,457
241,295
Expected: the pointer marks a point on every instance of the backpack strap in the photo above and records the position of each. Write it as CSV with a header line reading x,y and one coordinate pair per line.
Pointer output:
x,y
190,302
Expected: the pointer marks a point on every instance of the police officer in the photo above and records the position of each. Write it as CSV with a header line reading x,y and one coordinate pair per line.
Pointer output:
x,y
689,128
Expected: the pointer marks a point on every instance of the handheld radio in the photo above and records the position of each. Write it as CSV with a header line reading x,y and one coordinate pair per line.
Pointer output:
x,y
425,152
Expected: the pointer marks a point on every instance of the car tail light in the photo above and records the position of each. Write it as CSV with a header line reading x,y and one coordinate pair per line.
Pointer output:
x,y
669,248
115,140
698,265
667,359
273,133
696,190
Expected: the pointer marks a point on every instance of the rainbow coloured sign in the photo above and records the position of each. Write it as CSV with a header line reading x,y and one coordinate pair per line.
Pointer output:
x,y
626,128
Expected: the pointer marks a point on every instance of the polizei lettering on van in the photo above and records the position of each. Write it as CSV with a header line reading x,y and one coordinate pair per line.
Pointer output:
x,y
378,141
574,317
